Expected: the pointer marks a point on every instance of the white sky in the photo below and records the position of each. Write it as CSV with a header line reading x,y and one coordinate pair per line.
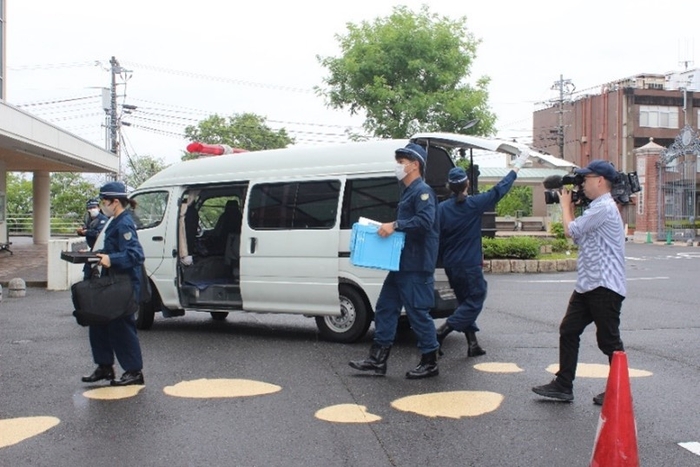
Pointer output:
x,y
265,54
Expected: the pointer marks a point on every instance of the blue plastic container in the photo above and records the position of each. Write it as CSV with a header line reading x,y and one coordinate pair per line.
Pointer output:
x,y
369,250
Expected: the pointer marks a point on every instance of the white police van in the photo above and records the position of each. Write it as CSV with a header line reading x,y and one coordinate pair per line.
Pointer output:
x,y
269,231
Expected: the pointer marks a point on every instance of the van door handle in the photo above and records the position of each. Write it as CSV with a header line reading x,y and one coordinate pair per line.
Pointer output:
x,y
253,244
157,239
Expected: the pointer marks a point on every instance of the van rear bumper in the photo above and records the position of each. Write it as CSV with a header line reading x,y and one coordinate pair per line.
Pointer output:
x,y
445,302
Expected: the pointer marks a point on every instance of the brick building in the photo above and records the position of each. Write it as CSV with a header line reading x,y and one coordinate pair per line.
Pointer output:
x,y
623,116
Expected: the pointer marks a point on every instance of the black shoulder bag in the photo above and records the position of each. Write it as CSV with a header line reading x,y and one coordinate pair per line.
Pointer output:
x,y
101,299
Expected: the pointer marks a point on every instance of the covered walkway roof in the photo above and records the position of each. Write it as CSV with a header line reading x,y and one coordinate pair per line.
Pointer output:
x,y
29,144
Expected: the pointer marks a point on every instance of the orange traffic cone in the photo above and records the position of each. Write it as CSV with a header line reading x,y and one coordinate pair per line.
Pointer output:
x,y
616,438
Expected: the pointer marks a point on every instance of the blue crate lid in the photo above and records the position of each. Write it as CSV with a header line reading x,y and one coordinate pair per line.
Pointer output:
x,y
369,250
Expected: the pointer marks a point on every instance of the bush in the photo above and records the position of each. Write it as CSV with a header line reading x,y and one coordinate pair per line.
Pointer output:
x,y
511,247
557,229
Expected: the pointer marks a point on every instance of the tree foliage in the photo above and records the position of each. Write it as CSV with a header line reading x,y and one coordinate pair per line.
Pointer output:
x,y
141,168
69,192
519,198
407,73
246,131
19,194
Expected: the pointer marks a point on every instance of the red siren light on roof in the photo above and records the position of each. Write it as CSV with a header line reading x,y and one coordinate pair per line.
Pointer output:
x,y
213,149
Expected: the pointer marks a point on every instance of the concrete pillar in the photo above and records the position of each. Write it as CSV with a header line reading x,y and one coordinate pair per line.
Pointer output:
x,y
647,222
3,209
539,208
41,190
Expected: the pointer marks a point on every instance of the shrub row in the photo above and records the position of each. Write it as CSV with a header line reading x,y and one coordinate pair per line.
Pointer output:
x,y
522,247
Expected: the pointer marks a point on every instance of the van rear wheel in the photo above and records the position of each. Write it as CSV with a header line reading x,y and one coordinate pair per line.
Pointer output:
x,y
353,322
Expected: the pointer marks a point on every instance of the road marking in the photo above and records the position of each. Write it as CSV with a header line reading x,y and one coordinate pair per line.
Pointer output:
x,y
597,370
15,430
210,388
498,367
692,446
113,393
346,413
453,404
573,281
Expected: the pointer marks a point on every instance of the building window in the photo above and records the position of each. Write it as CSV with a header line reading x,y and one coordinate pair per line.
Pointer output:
x,y
658,116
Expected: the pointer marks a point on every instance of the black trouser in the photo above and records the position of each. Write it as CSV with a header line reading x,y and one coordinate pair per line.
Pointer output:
x,y
600,306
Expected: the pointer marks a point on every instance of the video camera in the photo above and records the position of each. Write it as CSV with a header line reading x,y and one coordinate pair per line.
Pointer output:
x,y
622,189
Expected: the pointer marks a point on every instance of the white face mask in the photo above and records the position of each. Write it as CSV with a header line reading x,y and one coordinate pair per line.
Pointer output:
x,y
93,212
108,209
399,171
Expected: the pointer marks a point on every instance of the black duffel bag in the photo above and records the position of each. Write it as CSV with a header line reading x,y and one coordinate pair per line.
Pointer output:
x,y
101,299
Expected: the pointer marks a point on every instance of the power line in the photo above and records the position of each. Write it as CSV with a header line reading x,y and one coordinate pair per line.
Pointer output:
x,y
220,78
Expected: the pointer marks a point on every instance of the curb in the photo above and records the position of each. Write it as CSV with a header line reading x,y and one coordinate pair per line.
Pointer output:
x,y
506,266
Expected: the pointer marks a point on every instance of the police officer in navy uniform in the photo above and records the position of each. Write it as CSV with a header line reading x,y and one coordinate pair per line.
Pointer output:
x,y
123,252
461,249
412,286
94,222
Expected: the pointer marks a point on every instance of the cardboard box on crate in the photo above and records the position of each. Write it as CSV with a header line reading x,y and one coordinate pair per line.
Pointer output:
x,y
369,250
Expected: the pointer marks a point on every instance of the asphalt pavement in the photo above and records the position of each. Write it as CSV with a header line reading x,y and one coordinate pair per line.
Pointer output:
x,y
491,418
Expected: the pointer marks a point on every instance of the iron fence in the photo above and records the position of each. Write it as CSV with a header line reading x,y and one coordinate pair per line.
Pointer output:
x,y
23,225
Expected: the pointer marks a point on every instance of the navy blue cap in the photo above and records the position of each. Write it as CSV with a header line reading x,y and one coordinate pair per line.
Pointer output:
x,y
92,203
414,152
600,167
457,175
113,190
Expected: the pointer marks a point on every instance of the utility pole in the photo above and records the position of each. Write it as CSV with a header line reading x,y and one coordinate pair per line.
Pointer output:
x,y
115,69
562,85
114,128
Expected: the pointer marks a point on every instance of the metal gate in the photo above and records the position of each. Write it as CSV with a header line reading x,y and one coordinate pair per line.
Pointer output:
x,y
678,167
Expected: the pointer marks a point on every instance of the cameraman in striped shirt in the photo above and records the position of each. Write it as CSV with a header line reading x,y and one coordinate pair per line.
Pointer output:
x,y
601,283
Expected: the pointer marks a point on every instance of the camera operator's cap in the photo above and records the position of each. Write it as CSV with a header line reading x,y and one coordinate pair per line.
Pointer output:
x,y
599,167
92,203
113,190
457,175
414,152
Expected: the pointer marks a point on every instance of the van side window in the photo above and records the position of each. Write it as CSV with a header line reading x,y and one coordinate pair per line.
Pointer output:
x,y
295,205
374,198
150,209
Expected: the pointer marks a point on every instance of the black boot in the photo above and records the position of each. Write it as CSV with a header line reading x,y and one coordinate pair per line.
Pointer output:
x,y
100,373
426,368
474,350
129,378
442,332
376,362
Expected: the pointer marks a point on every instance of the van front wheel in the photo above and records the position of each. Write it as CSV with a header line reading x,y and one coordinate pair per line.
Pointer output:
x,y
353,321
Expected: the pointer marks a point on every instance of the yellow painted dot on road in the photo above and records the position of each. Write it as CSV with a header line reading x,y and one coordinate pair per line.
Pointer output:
x,y
109,393
347,413
498,367
454,404
597,370
15,430
213,388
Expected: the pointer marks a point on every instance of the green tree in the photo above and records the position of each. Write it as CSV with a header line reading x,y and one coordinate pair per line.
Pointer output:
x,y
19,194
246,131
519,198
69,192
407,73
141,168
